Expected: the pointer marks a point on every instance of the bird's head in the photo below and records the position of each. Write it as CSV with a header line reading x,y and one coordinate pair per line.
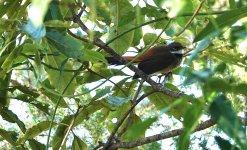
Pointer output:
x,y
176,48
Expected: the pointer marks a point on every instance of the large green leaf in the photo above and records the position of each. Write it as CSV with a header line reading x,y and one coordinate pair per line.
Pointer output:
x,y
78,144
168,104
138,129
65,44
121,11
7,135
191,120
34,131
226,19
10,116
60,79
228,120
35,145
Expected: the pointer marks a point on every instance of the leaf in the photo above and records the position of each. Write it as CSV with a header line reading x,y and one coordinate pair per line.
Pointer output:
x,y
226,19
179,7
138,129
227,120
8,62
227,57
233,4
60,79
166,103
36,32
9,116
34,131
65,44
7,135
61,131
92,56
100,9
54,98
78,144
191,119
35,145
224,144
33,101
148,38
119,9
116,101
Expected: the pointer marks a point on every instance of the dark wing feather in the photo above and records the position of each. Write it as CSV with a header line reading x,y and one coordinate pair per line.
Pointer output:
x,y
157,63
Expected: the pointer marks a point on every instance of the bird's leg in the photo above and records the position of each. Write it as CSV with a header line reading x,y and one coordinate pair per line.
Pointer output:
x,y
159,78
168,75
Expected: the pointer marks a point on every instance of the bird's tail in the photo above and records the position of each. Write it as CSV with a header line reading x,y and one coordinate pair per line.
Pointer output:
x,y
114,61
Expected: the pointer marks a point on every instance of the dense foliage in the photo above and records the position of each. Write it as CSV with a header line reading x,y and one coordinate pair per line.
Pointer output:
x,y
58,91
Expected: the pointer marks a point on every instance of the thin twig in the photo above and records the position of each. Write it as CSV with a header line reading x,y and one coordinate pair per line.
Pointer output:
x,y
192,18
69,128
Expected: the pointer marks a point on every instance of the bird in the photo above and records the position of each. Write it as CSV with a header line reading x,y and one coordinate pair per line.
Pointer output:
x,y
161,59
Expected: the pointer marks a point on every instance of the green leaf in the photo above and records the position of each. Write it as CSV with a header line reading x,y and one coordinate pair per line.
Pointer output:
x,y
92,56
117,101
33,101
53,12
191,119
138,129
168,104
233,4
228,120
7,135
9,116
60,79
54,98
65,44
226,19
78,144
179,7
100,9
224,144
36,32
61,131
35,145
148,38
34,131
119,9
227,57
8,62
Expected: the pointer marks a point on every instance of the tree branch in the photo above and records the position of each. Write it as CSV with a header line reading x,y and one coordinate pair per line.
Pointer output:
x,y
157,137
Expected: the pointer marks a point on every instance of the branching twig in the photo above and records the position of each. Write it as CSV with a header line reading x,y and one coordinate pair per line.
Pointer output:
x,y
120,122
130,119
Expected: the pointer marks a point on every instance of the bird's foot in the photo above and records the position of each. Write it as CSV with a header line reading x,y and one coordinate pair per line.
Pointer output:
x,y
168,75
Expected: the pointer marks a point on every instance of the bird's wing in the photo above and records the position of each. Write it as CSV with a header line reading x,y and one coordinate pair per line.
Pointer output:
x,y
156,63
